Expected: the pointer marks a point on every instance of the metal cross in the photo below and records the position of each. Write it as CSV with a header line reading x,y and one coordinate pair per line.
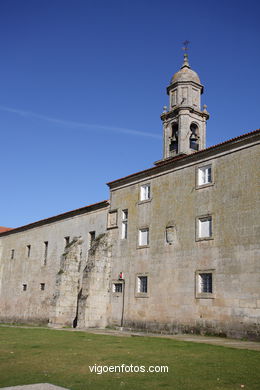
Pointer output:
x,y
185,43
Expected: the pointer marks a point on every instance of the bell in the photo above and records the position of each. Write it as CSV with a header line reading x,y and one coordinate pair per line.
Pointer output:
x,y
193,137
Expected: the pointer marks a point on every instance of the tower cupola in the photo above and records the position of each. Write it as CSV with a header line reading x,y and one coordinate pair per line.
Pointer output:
x,y
184,123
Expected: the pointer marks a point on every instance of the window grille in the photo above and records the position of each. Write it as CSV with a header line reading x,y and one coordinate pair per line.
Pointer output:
x,y
142,284
117,287
205,283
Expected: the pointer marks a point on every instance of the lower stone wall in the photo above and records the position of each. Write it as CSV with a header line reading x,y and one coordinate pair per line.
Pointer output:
x,y
24,320
231,329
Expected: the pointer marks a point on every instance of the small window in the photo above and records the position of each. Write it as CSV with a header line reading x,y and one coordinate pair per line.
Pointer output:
x,y
117,287
12,254
24,287
124,224
204,227
42,286
204,175
204,284
92,236
28,250
142,284
143,239
145,192
67,240
45,252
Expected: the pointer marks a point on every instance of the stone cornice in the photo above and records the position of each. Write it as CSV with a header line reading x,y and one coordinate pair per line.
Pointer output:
x,y
175,111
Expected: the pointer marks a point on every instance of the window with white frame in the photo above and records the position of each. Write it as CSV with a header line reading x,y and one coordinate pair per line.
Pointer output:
x,y
142,284
143,238
204,175
124,224
117,287
145,192
204,227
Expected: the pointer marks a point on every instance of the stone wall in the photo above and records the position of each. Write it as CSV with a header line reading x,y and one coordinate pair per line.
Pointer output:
x,y
231,254
95,296
68,284
64,265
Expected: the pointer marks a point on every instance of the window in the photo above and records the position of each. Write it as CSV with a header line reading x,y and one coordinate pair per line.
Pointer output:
x,y
42,286
92,236
143,239
45,252
124,224
117,287
142,284
24,287
204,175
204,284
12,253
204,227
28,250
145,192
67,240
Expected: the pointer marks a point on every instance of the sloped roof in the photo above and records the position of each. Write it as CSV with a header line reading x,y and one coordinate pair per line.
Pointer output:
x,y
4,229
68,214
191,156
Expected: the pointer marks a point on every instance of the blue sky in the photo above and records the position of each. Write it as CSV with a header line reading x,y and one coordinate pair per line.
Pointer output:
x,y
83,84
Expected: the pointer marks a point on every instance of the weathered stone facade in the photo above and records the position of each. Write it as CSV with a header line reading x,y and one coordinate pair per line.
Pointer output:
x,y
231,253
176,248
42,286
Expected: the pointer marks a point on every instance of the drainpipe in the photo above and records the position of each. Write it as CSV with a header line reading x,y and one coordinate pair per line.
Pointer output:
x,y
123,302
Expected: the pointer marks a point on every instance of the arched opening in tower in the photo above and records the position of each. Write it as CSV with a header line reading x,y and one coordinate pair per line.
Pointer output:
x,y
194,138
173,146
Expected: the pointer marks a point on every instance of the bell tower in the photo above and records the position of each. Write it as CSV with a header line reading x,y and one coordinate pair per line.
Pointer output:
x,y
184,124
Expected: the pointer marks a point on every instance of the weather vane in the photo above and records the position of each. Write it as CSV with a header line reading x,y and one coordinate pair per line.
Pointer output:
x,y
185,48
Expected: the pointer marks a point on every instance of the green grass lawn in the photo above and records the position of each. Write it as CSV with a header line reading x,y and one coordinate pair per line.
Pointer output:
x,y
63,358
